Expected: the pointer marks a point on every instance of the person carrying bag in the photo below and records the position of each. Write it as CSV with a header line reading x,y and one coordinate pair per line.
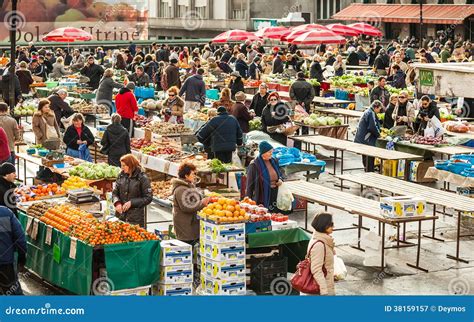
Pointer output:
x,y
52,141
315,274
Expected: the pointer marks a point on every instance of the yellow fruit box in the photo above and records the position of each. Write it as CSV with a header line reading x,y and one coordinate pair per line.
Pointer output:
x,y
222,251
175,252
211,286
222,233
224,270
403,206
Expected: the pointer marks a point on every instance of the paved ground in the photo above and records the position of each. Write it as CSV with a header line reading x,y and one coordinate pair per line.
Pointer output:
x,y
445,276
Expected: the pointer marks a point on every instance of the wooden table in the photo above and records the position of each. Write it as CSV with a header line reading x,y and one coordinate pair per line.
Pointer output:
x,y
36,161
344,112
433,196
361,207
318,101
338,131
357,148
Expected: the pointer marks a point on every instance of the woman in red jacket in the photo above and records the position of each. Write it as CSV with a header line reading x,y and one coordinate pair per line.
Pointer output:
x,y
4,146
127,106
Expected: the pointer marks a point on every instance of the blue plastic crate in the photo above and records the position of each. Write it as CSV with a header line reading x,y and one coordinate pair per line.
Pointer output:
x,y
212,94
258,227
341,94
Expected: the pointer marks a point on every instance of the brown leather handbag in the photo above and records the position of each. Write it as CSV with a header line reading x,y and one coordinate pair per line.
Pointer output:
x,y
303,280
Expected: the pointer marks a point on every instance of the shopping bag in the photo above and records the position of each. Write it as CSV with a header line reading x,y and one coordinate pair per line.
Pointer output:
x,y
340,270
84,153
437,126
236,160
284,198
303,280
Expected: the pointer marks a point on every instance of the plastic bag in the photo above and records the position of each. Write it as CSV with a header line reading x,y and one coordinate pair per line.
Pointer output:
x,y
340,270
285,198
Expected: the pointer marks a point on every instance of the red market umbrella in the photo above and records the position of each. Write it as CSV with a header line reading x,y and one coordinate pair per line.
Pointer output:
x,y
318,36
343,30
366,29
309,27
234,35
272,32
67,34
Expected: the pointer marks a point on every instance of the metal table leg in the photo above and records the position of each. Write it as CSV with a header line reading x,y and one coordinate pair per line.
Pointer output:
x,y
418,248
382,262
432,236
342,161
458,241
359,234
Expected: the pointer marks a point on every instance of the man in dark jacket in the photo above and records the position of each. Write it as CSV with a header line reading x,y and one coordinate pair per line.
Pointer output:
x,y
241,112
39,70
353,58
163,54
428,110
380,93
241,66
7,186
194,90
59,106
226,55
381,63
224,66
397,80
331,59
140,78
368,132
12,239
172,74
315,70
222,133
255,70
92,71
302,92
5,82
260,100
277,67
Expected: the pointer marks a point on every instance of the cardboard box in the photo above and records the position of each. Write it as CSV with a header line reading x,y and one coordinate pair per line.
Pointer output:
x,y
222,251
138,291
213,286
176,274
225,270
403,206
418,171
258,227
175,252
222,233
289,224
401,169
174,289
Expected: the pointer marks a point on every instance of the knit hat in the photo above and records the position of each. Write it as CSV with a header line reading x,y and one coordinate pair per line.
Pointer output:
x,y
264,147
7,168
240,97
130,86
221,109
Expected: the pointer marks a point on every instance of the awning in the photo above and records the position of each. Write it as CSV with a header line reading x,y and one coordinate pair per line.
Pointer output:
x,y
407,13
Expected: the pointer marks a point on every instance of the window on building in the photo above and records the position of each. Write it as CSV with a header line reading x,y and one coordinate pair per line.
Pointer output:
x,y
184,7
200,7
445,2
239,9
165,9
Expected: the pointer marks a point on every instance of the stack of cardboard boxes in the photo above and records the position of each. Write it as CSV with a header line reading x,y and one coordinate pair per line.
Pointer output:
x,y
176,273
222,252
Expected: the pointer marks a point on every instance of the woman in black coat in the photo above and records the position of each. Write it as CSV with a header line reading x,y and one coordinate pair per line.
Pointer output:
x,y
132,192
116,141
275,113
236,85
7,186
77,135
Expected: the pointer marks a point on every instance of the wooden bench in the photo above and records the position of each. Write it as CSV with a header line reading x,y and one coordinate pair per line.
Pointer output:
x,y
432,196
361,207
357,148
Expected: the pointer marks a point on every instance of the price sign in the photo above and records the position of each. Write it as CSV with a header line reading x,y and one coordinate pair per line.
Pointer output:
x,y
426,77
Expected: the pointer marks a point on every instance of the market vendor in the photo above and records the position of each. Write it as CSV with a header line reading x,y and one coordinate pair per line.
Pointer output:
x,y
59,106
78,61
140,78
388,120
264,178
173,107
92,71
260,100
132,192
106,87
78,137
428,109
25,78
222,134
45,127
368,132
275,113
302,92
404,111
380,93
187,201
116,141
58,69
8,186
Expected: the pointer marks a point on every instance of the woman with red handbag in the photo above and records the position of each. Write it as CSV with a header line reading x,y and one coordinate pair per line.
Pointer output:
x,y
315,274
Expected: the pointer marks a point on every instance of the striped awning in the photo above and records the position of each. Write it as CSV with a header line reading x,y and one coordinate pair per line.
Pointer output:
x,y
406,13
